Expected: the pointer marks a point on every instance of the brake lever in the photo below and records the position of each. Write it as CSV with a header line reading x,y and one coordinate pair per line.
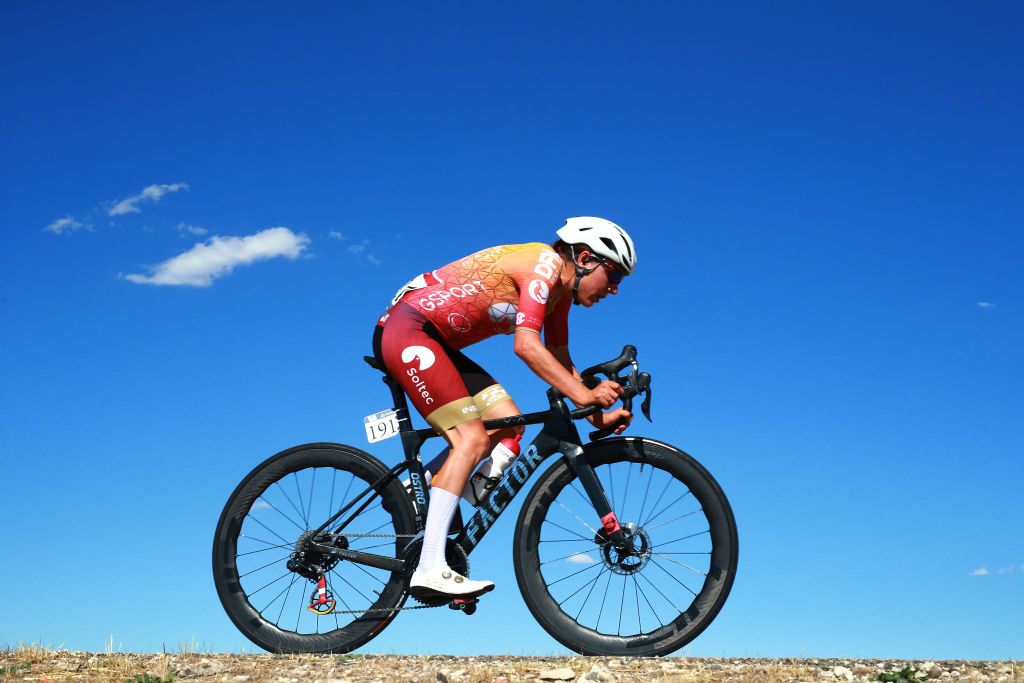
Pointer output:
x,y
645,407
643,386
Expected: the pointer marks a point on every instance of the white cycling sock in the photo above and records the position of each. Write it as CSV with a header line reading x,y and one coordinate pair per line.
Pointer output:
x,y
443,505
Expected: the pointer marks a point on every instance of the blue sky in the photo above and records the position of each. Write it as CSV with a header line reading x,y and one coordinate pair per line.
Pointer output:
x,y
204,209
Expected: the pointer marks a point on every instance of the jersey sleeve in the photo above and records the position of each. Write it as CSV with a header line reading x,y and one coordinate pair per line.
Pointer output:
x,y
536,274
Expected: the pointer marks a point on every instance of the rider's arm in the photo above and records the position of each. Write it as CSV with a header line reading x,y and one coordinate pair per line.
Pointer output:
x,y
549,367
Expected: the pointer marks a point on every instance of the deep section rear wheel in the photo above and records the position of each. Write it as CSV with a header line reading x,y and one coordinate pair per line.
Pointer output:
x,y
650,597
278,504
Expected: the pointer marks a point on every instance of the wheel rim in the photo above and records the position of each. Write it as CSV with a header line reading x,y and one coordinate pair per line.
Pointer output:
x,y
270,525
639,590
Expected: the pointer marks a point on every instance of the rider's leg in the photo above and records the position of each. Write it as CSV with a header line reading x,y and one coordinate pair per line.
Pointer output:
x,y
433,577
506,408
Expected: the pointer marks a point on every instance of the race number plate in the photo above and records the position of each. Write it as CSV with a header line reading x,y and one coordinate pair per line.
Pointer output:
x,y
380,426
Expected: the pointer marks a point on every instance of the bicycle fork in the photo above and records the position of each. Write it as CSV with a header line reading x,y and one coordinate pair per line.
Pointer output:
x,y
609,522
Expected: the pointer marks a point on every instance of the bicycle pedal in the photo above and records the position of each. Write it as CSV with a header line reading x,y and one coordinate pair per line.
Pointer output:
x,y
466,605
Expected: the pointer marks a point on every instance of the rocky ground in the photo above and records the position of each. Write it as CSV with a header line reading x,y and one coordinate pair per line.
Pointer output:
x,y
38,664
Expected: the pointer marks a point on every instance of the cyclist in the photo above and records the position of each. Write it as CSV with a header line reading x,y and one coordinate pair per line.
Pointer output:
x,y
517,289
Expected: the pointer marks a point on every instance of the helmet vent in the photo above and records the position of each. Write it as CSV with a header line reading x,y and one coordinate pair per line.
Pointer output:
x,y
625,241
610,244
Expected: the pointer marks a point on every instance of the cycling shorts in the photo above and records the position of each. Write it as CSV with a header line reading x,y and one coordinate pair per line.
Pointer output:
x,y
445,386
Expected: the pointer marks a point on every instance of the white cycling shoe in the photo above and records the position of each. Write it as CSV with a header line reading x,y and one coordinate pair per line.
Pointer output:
x,y
445,583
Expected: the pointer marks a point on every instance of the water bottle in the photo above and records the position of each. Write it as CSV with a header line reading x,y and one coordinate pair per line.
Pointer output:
x,y
487,475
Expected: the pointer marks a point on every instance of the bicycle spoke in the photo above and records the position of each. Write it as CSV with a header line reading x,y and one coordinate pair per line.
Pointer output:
x,y
578,518
589,566
312,483
622,604
338,595
274,508
706,552
302,505
284,603
363,570
607,583
587,599
625,494
330,508
283,576
588,540
676,519
686,566
579,493
673,576
667,599
287,497
287,542
344,498
591,584
353,587
270,546
378,528
667,507
647,493
576,554
636,587
699,533
568,540
269,564
267,606
298,616
658,501
636,595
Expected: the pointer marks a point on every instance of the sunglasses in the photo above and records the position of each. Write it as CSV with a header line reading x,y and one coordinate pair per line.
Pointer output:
x,y
614,274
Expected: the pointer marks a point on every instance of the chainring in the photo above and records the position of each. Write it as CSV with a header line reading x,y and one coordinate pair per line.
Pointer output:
x,y
453,554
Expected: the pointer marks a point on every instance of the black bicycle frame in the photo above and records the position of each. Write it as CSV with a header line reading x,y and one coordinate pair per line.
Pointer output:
x,y
558,435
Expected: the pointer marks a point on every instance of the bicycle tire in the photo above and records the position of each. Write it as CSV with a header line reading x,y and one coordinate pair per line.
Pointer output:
x,y
536,551
258,510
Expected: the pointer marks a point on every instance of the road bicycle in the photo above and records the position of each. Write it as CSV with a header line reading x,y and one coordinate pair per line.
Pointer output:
x,y
624,546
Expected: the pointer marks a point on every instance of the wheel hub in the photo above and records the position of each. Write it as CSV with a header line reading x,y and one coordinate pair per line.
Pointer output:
x,y
629,557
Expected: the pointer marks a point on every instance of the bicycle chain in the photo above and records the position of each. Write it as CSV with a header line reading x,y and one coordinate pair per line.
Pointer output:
x,y
383,610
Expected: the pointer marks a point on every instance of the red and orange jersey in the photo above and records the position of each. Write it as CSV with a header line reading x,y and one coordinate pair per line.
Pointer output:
x,y
494,291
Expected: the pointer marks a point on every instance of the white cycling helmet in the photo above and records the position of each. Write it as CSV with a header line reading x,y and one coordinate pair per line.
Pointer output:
x,y
602,237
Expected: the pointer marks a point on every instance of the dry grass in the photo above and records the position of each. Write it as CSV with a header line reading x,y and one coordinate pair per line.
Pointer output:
x,y
39,663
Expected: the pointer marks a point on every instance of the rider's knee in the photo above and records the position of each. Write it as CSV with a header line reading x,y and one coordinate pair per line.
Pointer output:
x,y
473,446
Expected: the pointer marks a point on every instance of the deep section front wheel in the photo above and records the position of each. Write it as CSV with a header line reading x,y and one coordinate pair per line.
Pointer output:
x,y
648,597
272,512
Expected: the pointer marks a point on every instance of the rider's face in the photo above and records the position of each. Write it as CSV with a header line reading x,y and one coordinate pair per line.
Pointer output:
x,y
598,284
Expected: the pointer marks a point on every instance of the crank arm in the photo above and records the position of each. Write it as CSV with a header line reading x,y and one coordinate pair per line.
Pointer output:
x,y
392,564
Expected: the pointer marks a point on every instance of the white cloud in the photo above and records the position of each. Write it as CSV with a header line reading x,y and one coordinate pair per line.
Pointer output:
x,y
151,193
336,235
62,225
980,572
373,259
580,558
218,256
191,229
358,248
261,505
986,304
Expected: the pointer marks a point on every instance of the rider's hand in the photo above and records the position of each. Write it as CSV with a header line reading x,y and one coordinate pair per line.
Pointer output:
x,y
604,394
604,420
